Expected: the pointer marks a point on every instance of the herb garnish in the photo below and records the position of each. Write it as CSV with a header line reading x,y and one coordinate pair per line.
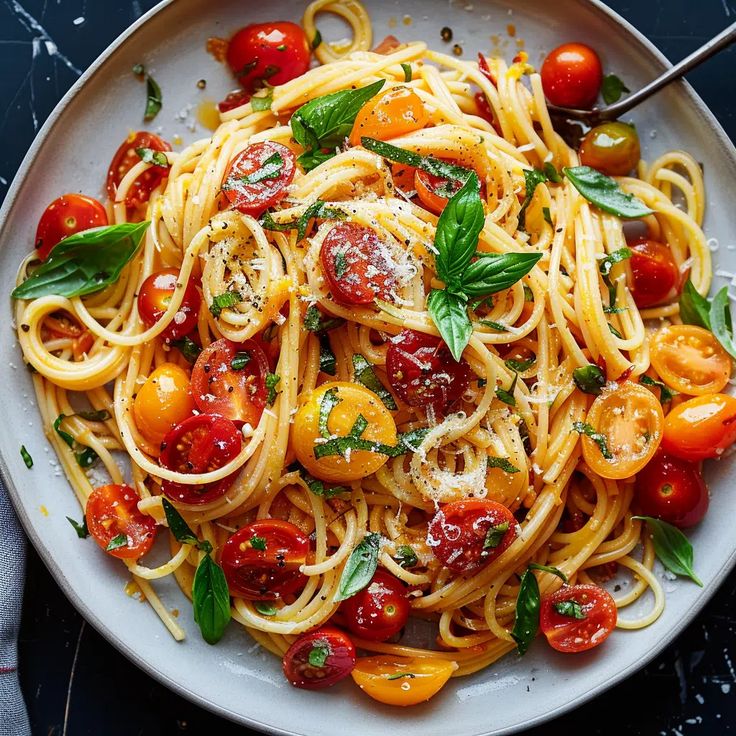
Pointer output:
x,y
589,379
27,459
406,556
223,301
85,456
665,392
599,439
181,530
532,178
672,547
121,540
259,103
694,308
360,567
495,535
81,529
151,156
241,359
501,462
188,348
272,380
210,600
154,99
258,543
365,375
570,608
313,321
318,654
265,608
612,88
407,72
605,193
508,396
317,487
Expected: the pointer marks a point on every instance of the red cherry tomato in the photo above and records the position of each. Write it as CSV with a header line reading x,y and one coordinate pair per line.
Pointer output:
x,y
357,265
65,216
572,75
126,158
672,489
654,272
319,659
258,177
422,371
559,617
434,191
153,300
262,560
199,444
234,99
466,535
237,393
380,610
112,511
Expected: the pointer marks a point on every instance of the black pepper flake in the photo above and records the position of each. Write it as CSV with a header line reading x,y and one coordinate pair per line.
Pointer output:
x,y
202,83
457,49
25,327
446,34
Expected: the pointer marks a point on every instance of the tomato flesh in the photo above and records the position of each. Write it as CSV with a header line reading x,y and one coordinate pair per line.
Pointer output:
x,y
65,216
654,272
337,665
434,192
154,298
612,148
572,75
234,99
378,611
396,112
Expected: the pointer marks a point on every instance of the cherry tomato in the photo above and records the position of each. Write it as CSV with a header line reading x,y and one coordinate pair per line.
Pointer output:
x,y
258,177
126,158
612,148
572,75
690,360
380,610
234,99
319,659
467,535
434,191
237,393
358,266
274,52
199,444
560,619
154,298
486,111
422,371
262,560
402,680
396,112
672,489
111,512
65,216
654,272
701,427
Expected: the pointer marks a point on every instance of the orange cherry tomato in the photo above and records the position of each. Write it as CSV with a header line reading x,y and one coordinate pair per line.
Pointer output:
x,y
65,216
690,360
572,75
654,273
612,148
701,427
396,112
434,191
153,300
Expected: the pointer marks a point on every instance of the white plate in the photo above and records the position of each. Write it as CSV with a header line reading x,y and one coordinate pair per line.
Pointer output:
x,y
235,679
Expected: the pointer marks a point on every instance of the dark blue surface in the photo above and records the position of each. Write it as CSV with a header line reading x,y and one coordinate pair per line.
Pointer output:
x,y
76,683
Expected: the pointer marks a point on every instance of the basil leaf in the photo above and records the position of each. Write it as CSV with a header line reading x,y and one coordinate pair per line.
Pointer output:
x,y
318,487
605,193
494,325
449,314
519,366
547,216
399,675
121,540
181,530
241,359
85,456
313,321
223,301
606,264
270,169
154,100
548,568
27,459
318,208
720,321
80,529
407,72
258,543
526,623
312,159
360,567
508,396
571,609
694,308
150,156
532,179
365,375
672,547
409,441
551,173
501,462
272,380
318,653
612,88
84,263
265,608
494,535
262,102
210,600
614,331
94,415
188,348
666,393
589,379
406,556
599,439
327,359
62,433
353,441
317,40
494,272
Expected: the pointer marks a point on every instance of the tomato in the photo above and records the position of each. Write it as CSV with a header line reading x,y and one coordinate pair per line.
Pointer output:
x,y
319,659
237,393
112,511
672,489
422,371
628,421
567,633
154,297
258,177
165,399
402,680
353,401
262,560
396,112
199,444
357,265
380,610
572,75
467,535
486,111
234,99
701,427
126,158
65,216
690,360
274,52
612,148
654,272
434,191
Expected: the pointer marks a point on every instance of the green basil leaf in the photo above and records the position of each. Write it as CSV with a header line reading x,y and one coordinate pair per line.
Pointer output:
x,y
547,216
312,159
694,308
720,321
494,535
450,315
360,567
81,529
317,40
494,272
272,380
665,392
210,600
150,156
318,653
327,359
570,608
605,193
551,173
241,359
519,366
548,568
318,208
223,301
503,463
188,348
121,540
407,72
313,321
27,459
265,608
258,543
365,375
606,264
318,487
85,456
154,100
532,178
94,415
614,331
181,530
612,88
329,401
493,325
400,675
62,433
526,623
406,556
270,169
589,379
599,439
672,547
262,102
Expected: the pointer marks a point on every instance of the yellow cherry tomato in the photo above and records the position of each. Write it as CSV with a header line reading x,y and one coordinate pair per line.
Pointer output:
x,y
402,680
690,360
340,405
164,400
389,115
627,424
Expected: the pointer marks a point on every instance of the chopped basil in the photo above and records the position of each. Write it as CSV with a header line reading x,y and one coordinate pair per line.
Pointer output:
x,y
223,301
604,266
121,540
605,193
317,40
181,530
501,462
27,459
318,487
528,294
365,375
81,529
599,439
672,547
258,543
210,600
589,379
327,359
241,359
154,100
547,216
571,609
318,653
482,382
519,366
259,103
612,88
151,156
265,608
532,178
329,401
407,72
694,308
318,208
313,321
270,168
188,348
139,70
614,331
494,325
495,535
551,173
272,380
341,265
666,393
360,567
400,675
508,396
406,556
85,456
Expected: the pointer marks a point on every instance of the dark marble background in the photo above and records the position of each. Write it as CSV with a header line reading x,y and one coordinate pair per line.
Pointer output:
x,y
74,681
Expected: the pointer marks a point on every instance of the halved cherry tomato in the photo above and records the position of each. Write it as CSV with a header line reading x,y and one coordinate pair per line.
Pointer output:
x,y
126,158
199,444
467,535
486,111
380,610
258,177
654,272
111,512
434,191
396,112
672,489
572,75
690,360
701,427
262,560
154,298
234,99
274,52
319,659
612,148
402,680
65,216
422,371
237,393
358,266
559,617
628,421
